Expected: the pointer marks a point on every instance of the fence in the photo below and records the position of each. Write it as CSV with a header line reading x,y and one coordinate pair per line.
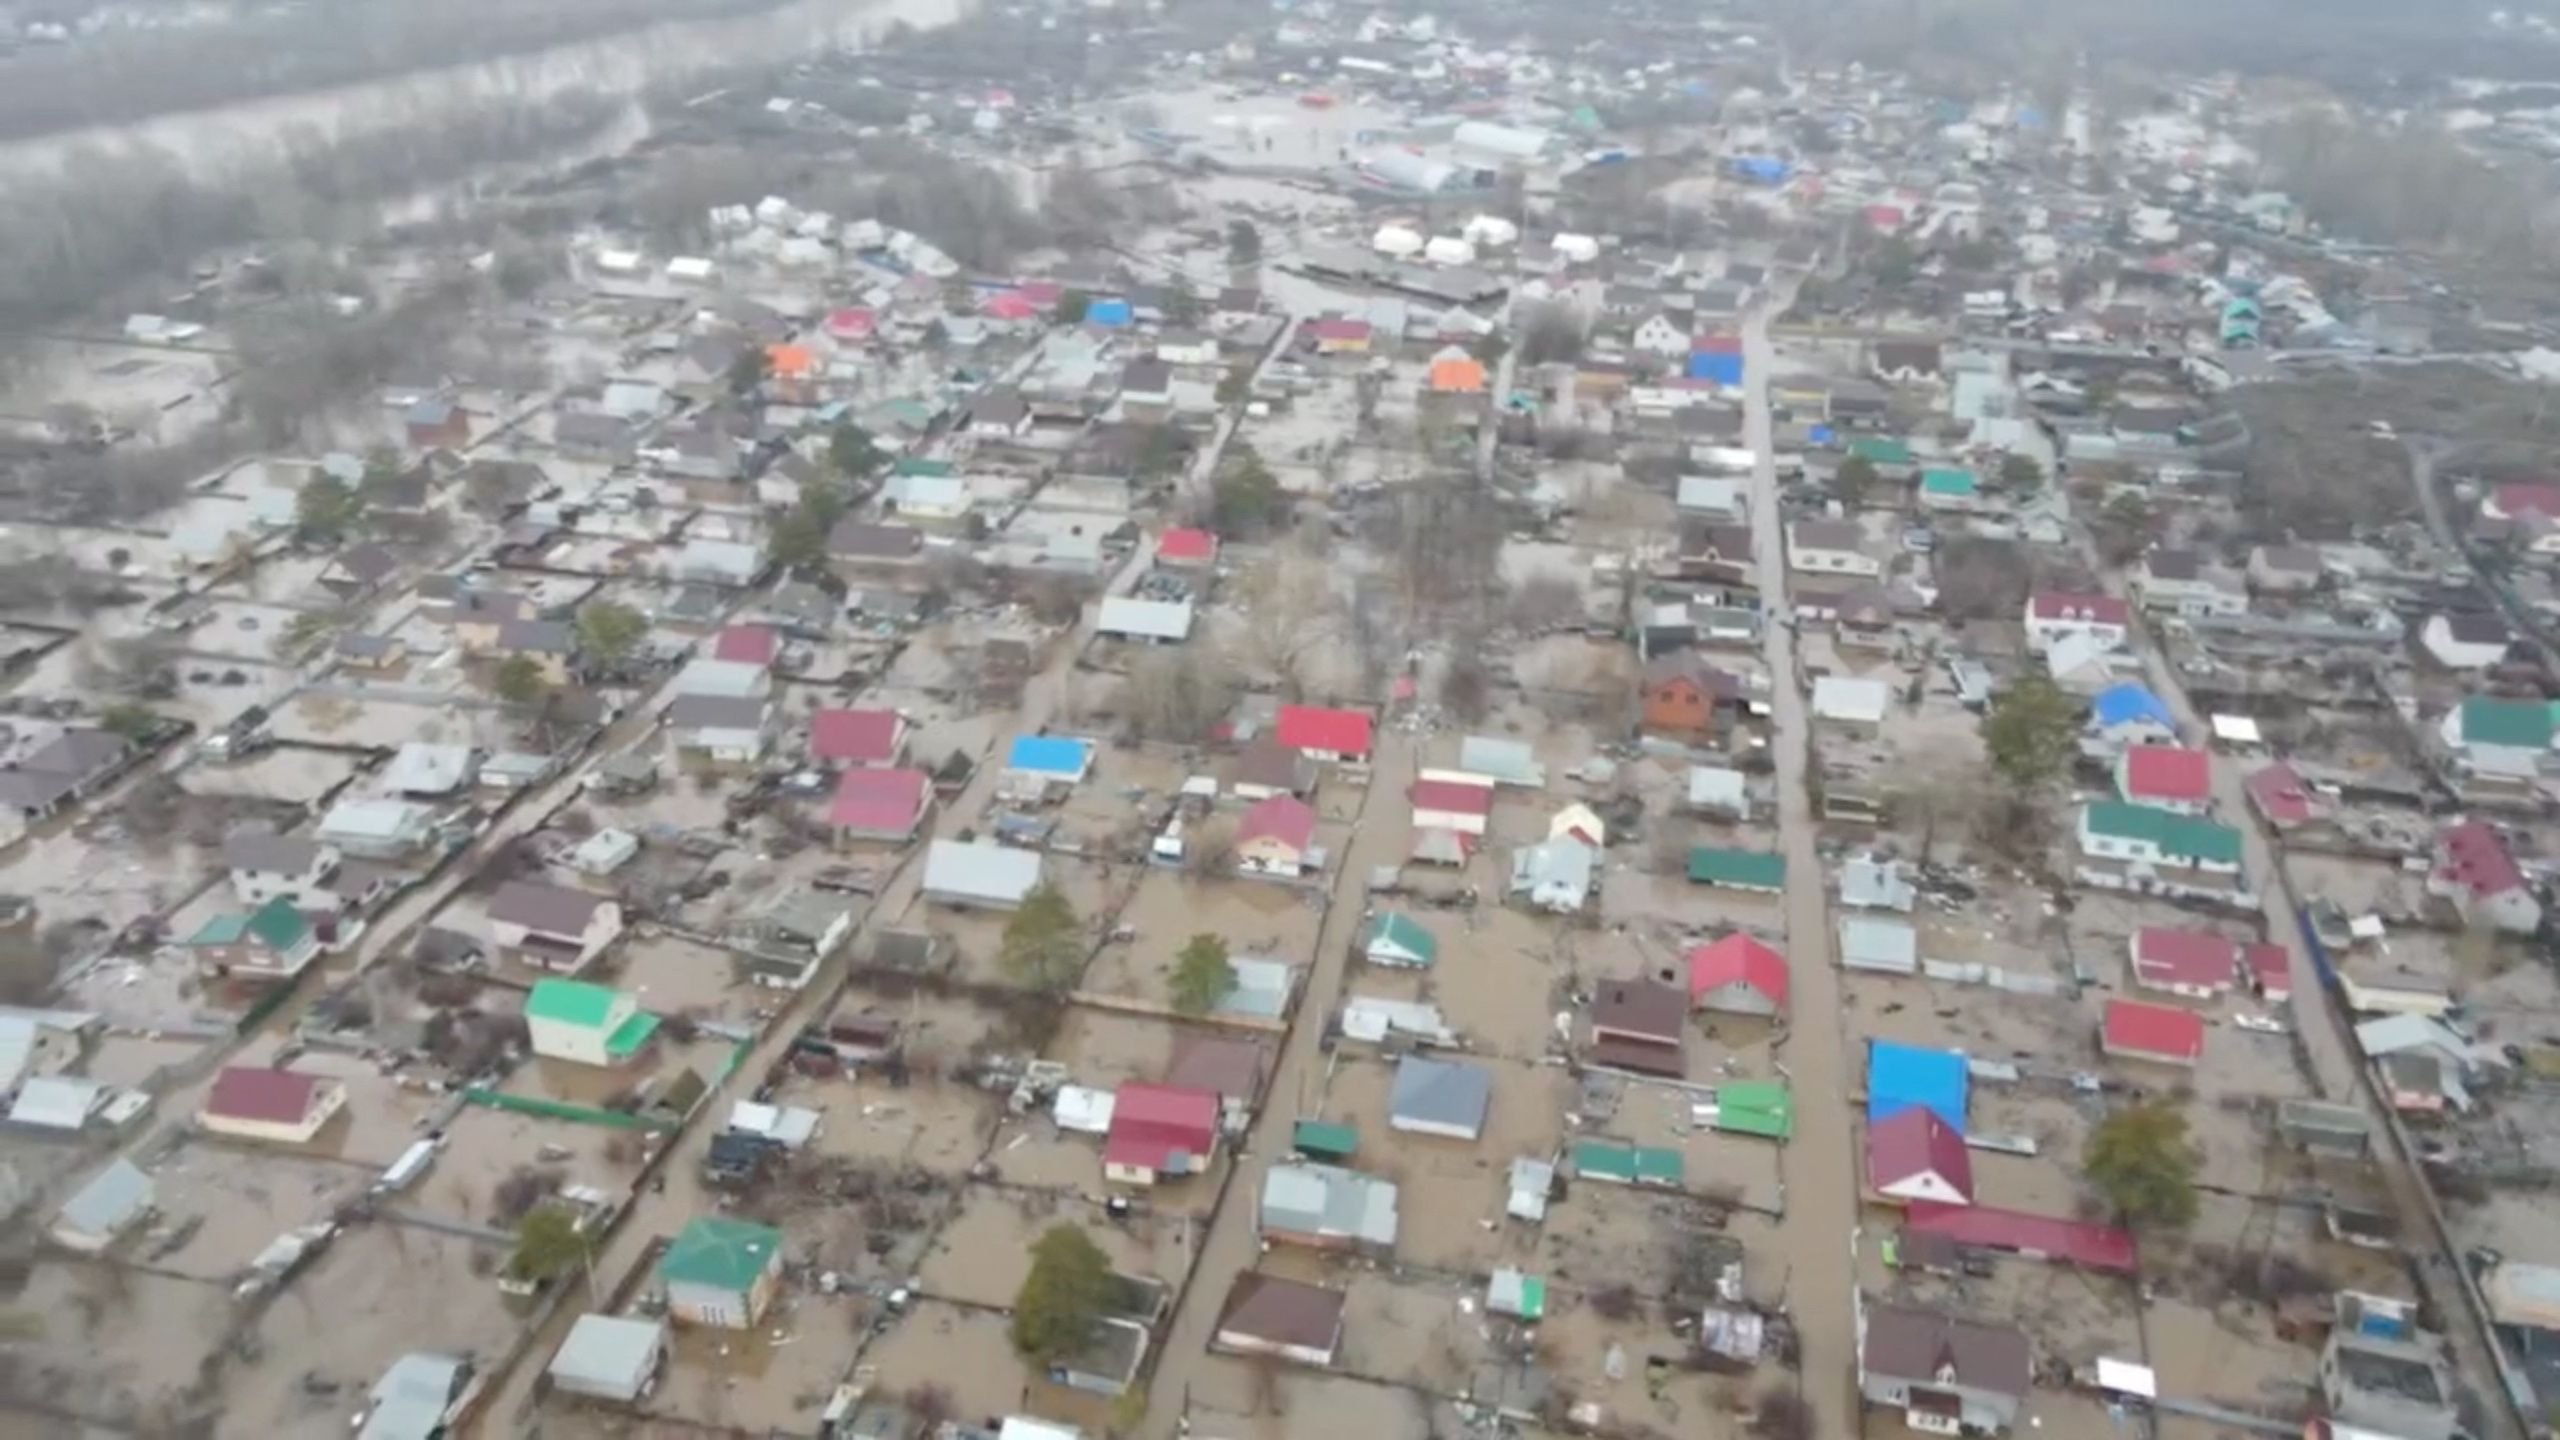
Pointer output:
x,y
2014,981
563,1110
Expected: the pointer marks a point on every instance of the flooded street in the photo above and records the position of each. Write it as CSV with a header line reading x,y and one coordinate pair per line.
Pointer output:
x,y
1821,1179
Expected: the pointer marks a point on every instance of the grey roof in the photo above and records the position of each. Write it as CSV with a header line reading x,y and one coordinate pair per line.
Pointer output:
x,y
537,637
608,1354
980,870
1329,1201
263,852
410,1400
717,712
1440,1093
1872,943
374,819
110,1201
1867,883
1514,760
424,769
1826,535
57,1102
1150,619
544,909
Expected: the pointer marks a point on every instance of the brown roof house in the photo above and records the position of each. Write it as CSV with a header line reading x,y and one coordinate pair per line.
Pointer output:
x,y
1947,1376
1682,694
551,927
1638,1025
1265,768
1266,1315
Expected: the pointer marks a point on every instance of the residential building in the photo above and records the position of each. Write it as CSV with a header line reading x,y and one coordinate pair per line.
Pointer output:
x,y
1684,696
1159,1132
1446,1098
1759,871
1831,547
1265,767
372,829
1154,622
2167,777
1914,1155
1460,805
275,941
1328,735
1275,837
1738,975
979,874
858,737
2126,714
101,1212
2466,642
61,772
2133,1030
1327,1207
2053,614
2179,582
1947,1376
1883,946
551,927
721,729
720,1272
285,1107
1555,876
2284,569
2476,869
419,1397
2194,963
1399,941
2393,1386
880,804
1639,1024
586,1024
615,1358
2147,849
1266,1315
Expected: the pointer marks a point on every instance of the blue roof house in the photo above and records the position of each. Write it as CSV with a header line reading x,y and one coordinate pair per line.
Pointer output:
x,y
2129,712
1723,369
1050,757
1901,1076
1110,314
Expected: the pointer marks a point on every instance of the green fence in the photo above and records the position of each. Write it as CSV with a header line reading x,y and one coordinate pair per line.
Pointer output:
x,y
563,1110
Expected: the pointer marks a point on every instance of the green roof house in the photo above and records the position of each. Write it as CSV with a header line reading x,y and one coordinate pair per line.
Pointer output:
x,y
921,466
1627,1164
1324,1139
1762,870
1514,1292
1756,1107
2485,720
721,1272
2144,847
1882,452
587,1023
273,942
1398,939
1949,489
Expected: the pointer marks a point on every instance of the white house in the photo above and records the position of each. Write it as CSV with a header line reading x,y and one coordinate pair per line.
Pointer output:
x,y
1830,547
552,927
2466,642
1158,622
2053,614
585,1024
266,866
2177,582
2477,870
1661,335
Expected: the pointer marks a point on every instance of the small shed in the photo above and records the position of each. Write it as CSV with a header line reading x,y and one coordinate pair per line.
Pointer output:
x,y
1517,1294
1324,1140
610,1357
1871,942
1613,1163
1532,1182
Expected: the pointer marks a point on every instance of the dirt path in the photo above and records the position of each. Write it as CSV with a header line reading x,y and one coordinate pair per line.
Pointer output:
x,y
1821,1182
1231,1245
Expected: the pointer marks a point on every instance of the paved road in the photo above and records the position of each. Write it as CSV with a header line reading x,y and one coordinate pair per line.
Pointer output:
x,y
1821,1178
1231,1244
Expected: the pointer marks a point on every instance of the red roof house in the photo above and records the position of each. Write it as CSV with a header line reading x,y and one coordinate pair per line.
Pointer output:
x,y
1186,545
2134,1030
2042,1237
1325,734
857,737
1274,836
1008,305
1914,1155
2511,501
2185,962
2083,608
1159,1132
747,645
2270,971
852,324
2279,795
1738,976
258,1103
1451,805
1337,333
2478,872
2169,776
880,804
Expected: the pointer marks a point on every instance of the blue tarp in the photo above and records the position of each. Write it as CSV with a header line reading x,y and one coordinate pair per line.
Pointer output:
x,y
1722,369
1050,755
1901,1076
1114,314
1765,169
1821,435
2122,704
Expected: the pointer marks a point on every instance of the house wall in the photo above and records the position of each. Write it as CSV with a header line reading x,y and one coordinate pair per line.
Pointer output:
x,y
1428,1127
582,1044
1461,821
253,961
721,1309
1833,562
1129,1174
1267,855
1927,1185
1245,1344
325,1104
1736,998
307,890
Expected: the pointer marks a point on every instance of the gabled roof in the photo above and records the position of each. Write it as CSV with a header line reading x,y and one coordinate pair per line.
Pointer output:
x,y
2476,857
1913,1143
1454,796
1157,1127
2164,958
2280,795
1641,1007
2518,724
879,800
277,925
2129,701
576,1003
544,909
1738,959
2076,606
2085,1243
1743,869
747,644
2132,1027
250,1092
1441,1092
1274,1311
1186,545
1907,1343
859,737
2167,772
2167,830
1400,931
1314,727
1284,818
1902,1077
